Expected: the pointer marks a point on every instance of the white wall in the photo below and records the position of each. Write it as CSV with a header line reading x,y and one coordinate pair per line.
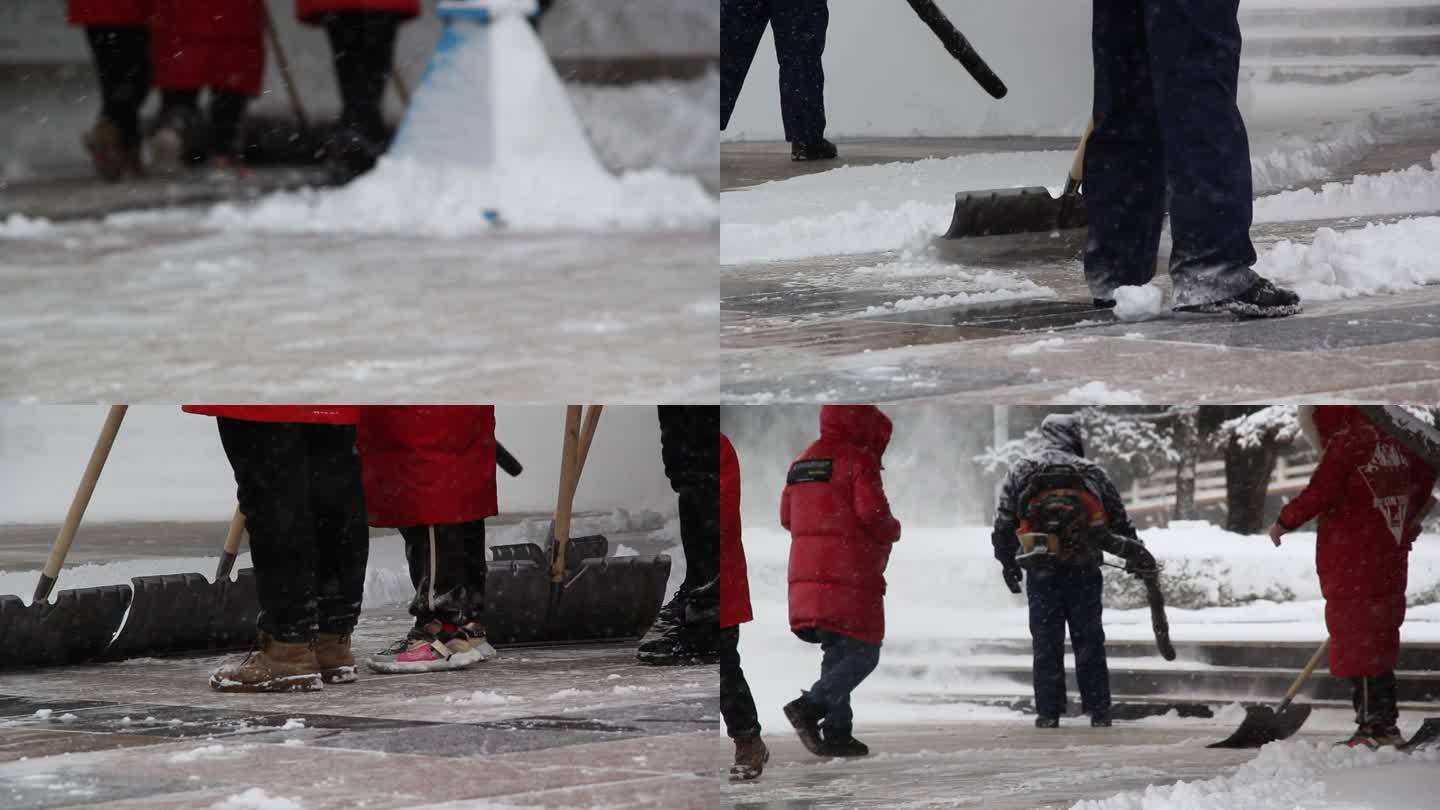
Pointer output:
x,y
168,465
887,74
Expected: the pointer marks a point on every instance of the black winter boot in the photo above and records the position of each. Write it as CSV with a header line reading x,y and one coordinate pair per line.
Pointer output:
x,y
841,743
1047,721
1262,300
805,717
816,149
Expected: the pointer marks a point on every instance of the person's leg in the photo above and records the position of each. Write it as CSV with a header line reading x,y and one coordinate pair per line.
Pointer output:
x,y
343,543
1194,67
440,593
799,27
477,568
272,479
1047,639
122,67
1124,172
848,662
449,577
227,108
362,49
742,26
737,705
1087,637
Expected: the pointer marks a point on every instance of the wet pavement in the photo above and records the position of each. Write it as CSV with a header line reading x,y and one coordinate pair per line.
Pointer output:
x,y
538,727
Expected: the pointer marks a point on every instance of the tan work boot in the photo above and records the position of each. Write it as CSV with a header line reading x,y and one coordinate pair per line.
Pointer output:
x,y
750,758
337,662
273,666
114,159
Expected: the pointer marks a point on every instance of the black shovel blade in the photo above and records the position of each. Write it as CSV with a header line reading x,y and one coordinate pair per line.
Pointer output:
x,y
1263,725
517,599
74,628
1426,736
1005,211
612,598
180,613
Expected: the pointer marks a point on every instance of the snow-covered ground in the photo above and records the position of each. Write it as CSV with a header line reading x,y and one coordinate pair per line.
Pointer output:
x,y
945,590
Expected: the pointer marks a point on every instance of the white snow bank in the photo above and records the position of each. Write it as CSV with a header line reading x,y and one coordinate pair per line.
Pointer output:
x,y
19,226
1096,392
664,124
482,697
1140,303
1379,258
1001,287
1404,191
404,196
257,799
1300,775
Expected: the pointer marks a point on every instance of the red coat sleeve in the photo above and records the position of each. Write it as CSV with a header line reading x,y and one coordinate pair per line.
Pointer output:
x,y
1327,484
785,508
871,506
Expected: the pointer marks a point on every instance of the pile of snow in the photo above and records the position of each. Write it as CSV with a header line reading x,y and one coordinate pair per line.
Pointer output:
x,y
1404,191
482,697
1379,258
1007,288
19,226
1140,303
1096,392
257,799
1307,775
663,125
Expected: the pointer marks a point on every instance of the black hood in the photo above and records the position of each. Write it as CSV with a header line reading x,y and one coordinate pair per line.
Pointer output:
x,y
1061,431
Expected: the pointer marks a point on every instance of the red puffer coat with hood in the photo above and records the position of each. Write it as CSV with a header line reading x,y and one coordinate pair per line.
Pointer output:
x,y
840,526
321,414
427,464
108,12
734,579
1368,492
215,43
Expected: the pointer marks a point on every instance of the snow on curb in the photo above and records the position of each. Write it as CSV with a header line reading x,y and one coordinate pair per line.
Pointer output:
x,y
257,799
1379,258
1403,191
1293,775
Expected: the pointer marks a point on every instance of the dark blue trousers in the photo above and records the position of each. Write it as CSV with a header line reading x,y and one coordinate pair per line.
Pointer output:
x,y
1061,595
1166,119
799,27
846,664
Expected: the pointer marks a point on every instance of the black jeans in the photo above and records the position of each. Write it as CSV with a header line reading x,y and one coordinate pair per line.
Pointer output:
x,y
799,27
1061,595
122,65
299,489
737,705
847,662
690,448
447,568
362,47
1167,126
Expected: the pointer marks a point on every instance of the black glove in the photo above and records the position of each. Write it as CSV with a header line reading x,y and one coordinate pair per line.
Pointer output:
x,y
1012,575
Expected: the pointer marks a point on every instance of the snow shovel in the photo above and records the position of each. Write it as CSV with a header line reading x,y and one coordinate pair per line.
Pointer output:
x,y
1265,725
1427,735
1420,438
180,613
79,624
574,592
1008,211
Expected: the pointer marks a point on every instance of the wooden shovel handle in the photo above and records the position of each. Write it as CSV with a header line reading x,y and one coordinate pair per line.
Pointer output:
x,y
232,545
1077,166
565,501
78,504
587,435
1304,675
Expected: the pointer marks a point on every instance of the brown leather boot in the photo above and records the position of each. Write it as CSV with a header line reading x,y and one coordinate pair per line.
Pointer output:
x,y
273,666
750,758
114,159
337,661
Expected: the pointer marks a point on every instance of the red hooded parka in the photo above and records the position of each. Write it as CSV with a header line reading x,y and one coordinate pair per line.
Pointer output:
x,y
216,43
734,581
108,12
1368,491
427,463
840,526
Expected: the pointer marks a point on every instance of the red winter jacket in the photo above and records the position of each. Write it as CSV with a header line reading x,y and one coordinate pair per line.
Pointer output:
x,y
427,463
323,414
1368,491
108,12
311,10
215,43
840,526
734,582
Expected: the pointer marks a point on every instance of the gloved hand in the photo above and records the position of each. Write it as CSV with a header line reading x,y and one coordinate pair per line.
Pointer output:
x,y
1012,576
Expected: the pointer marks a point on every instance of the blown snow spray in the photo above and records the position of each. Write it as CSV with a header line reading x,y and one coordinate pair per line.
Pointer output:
x,y
491,106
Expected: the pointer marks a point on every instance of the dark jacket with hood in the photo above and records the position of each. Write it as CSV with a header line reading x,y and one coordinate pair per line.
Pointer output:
x,y
840,526
1060,446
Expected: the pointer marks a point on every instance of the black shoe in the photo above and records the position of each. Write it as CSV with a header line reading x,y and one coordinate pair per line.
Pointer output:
x,y
1262,300
681,646
1047,721
818,149
1103,303
1100,720
351,152
805,717
841,744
